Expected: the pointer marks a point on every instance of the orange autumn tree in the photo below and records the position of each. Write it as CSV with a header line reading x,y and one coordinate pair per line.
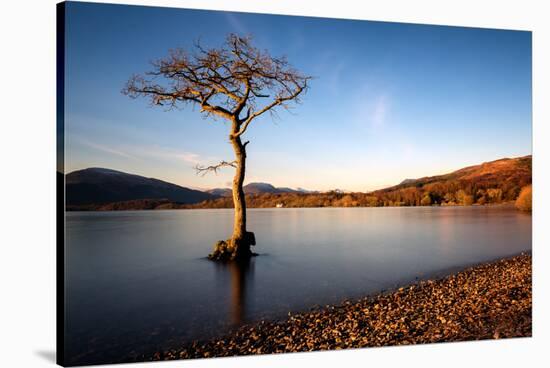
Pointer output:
x,y
237,83
524,201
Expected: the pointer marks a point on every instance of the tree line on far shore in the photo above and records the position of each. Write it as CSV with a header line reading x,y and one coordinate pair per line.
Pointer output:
x,y
403,197
495,182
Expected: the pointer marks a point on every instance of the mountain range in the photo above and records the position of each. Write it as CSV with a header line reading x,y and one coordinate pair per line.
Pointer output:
x,y
258,188
100,186
491,182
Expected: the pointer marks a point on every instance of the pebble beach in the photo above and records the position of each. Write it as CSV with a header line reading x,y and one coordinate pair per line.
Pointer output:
x,y
487,301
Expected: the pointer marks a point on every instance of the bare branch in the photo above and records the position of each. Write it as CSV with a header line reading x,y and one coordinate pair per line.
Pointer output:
x,y
223,81
203,170
280,100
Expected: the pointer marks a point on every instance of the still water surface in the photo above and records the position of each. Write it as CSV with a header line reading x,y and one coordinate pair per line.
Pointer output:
x,y
138,281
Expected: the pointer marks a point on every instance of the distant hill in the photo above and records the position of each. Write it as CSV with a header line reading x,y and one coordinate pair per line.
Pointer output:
x,y
507,174
407,181
492,182
222,192
257,188
101,186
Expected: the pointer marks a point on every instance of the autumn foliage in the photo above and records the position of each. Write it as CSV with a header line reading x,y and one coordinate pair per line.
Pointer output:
x,y
493,182
489,183
524,201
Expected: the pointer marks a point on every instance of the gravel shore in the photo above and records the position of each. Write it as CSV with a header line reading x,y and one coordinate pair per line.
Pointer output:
x,y
489,301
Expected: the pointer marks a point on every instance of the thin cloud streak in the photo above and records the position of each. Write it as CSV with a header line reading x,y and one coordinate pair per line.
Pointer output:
x,y
148,153
107,149
371,111
173,155
235,23
378,117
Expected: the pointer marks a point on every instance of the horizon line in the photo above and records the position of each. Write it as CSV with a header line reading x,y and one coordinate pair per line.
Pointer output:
x,y
383,186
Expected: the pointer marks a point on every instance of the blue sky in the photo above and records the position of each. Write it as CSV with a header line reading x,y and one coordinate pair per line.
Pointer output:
x,y
389,101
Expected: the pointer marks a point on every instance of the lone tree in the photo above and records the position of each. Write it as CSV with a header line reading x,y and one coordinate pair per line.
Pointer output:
x,y
237,83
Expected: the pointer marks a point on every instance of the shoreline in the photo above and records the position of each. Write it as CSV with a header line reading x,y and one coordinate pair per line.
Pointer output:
x,y
506,205
490,300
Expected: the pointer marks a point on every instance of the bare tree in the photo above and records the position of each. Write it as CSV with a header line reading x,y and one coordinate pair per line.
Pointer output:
x,y
237,83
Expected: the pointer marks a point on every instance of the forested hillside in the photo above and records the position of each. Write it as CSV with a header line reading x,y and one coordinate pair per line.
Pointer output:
x,y
489,183
492,182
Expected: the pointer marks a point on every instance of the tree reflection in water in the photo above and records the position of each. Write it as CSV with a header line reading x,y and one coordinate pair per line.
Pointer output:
x,y
241,274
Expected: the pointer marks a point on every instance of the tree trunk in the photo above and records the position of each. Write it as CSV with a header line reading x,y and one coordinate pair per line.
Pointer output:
x,y
239,237
238,246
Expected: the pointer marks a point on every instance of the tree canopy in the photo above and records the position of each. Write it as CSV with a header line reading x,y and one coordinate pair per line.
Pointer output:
x,y
237,82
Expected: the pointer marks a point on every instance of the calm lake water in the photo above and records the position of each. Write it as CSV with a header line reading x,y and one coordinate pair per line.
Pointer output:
x,y
138,282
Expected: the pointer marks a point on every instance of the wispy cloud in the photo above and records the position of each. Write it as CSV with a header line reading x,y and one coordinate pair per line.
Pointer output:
x,y
379,111
235,23
172,155
371,110
107,149
331,67
190,157
147,153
